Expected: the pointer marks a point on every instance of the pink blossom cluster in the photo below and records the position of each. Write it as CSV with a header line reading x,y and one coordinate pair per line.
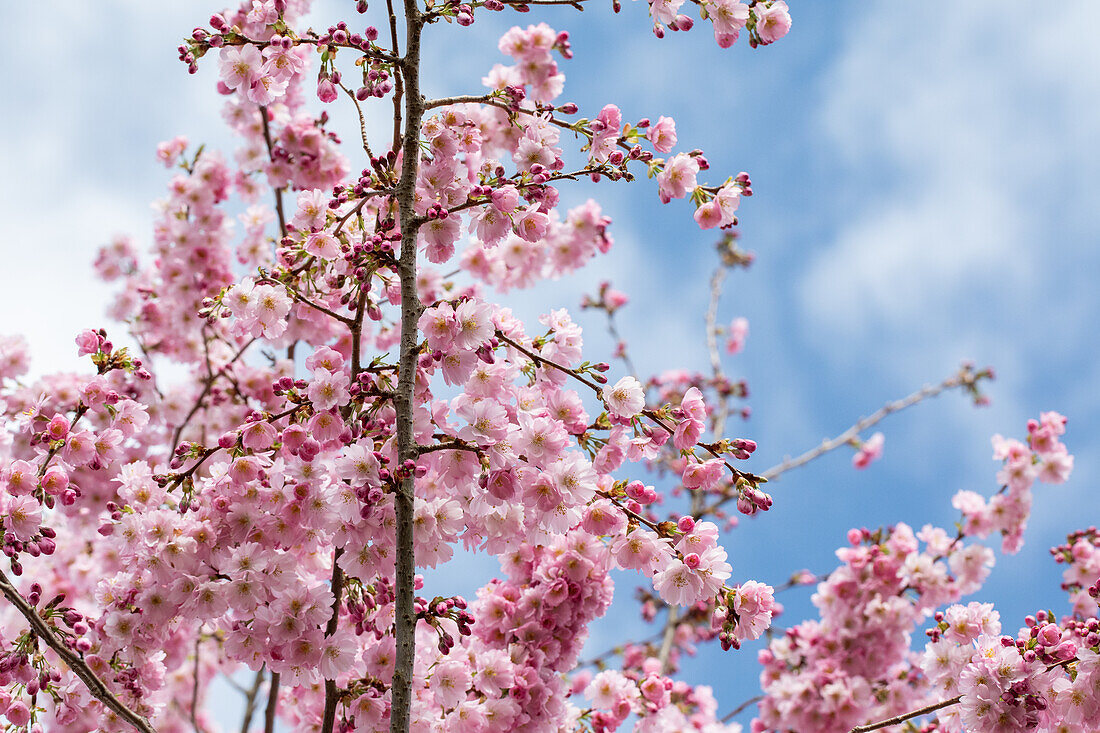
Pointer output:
x,y
766,22
854,665
1081,578
1043,457
1046,679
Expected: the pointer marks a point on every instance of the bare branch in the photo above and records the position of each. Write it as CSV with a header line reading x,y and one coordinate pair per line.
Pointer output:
x,y
912,714
272,704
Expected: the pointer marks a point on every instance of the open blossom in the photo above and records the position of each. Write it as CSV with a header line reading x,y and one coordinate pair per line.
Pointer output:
x,y
678,584
662,134
691,428
328,390
439,326
773,20
312,210
439,236
88,342
22,516
708,215
474,324
323,245
531,224
677,179
626,399
240,66
338,653
704,475
281,60
869,451
605,128
754,603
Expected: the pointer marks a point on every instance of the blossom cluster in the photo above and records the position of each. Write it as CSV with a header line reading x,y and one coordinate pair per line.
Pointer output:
x,y
854,664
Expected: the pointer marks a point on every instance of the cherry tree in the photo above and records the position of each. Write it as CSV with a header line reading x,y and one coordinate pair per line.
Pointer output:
x,y
307,414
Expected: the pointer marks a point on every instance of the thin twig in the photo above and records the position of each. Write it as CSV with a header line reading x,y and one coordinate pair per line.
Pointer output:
x,y
964,379
271,157
733,713
668,634
250,697
650,414
907,716
195,683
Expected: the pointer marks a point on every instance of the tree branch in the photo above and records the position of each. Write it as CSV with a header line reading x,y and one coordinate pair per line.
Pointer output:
x,y
407,449
965,378
272,704
250,696
912,714
76,663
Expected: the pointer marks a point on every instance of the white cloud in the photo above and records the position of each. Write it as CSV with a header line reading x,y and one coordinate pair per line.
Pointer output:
x,y
977,129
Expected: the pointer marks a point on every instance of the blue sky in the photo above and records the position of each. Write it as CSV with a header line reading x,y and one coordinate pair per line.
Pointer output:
x,y
927,190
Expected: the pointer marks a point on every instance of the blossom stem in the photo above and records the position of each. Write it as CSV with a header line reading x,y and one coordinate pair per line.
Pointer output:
x,y
740,708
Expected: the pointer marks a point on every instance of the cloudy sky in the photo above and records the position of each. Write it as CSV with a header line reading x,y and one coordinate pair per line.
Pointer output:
x,y
928,189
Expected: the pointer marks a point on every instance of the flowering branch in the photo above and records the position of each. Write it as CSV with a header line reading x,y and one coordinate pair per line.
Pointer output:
x,y
650,414
966,378
79,667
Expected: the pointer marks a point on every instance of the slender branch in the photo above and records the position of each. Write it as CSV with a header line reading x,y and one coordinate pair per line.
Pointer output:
x,y
907,716
271,156
237,39
297,295
362,122
272,704
965,378
195,683
399,82
668,635
76,663
718,423
450,445
211,378
250,697
619,341
650,414
862,424
740,708
615,650
712,319
458,99
328,719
